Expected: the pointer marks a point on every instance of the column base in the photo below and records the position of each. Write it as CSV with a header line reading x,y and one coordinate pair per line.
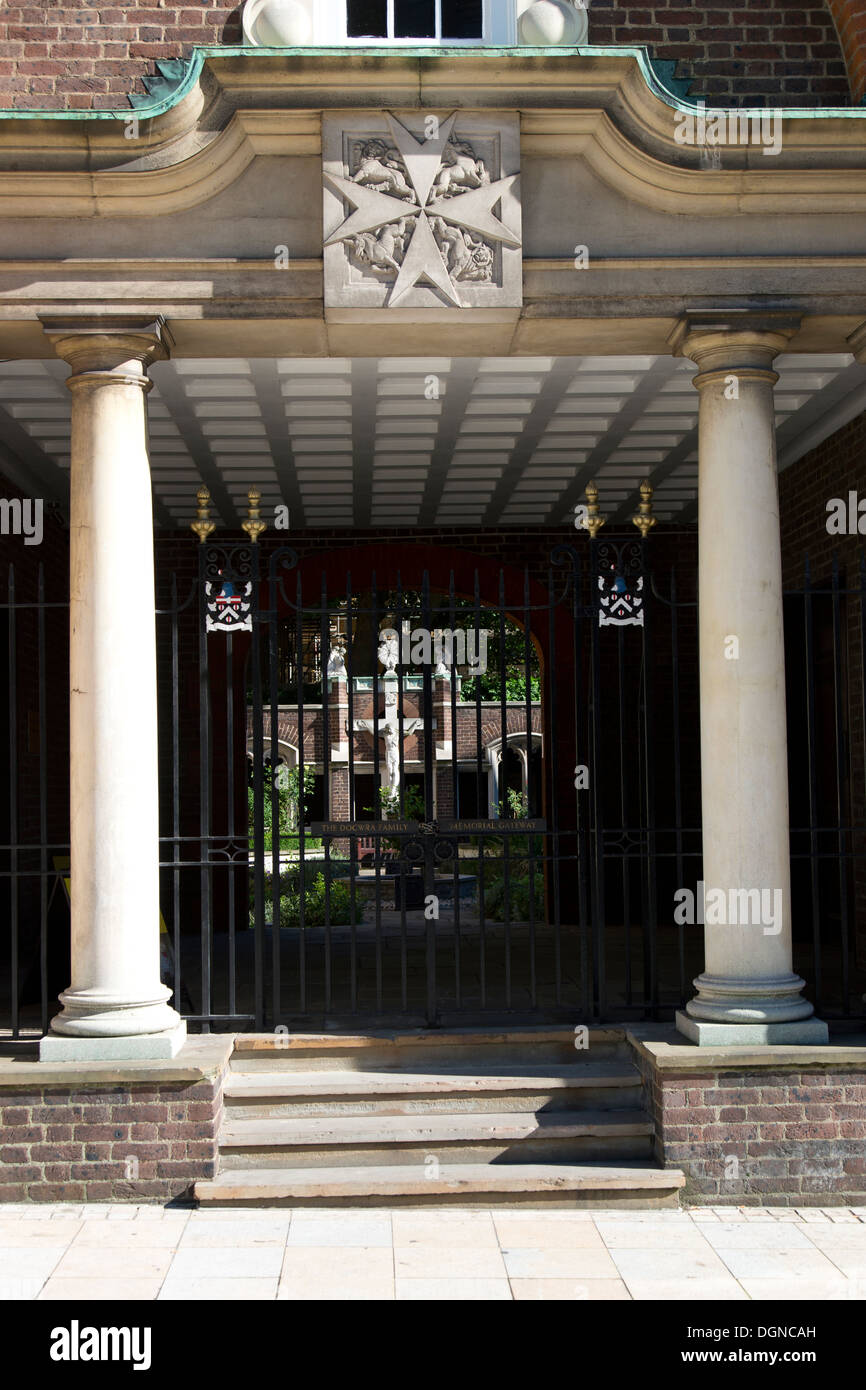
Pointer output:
x,y
99,1013
800,1031
727,1000
145,1047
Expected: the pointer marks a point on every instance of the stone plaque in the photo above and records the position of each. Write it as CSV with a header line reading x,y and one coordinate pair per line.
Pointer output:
x,y
422,211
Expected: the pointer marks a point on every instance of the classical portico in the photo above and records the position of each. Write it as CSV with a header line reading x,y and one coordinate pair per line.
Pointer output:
x,y
202,242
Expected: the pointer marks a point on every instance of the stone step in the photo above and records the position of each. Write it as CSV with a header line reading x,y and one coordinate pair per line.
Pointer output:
x,y
627,1186
596,1086
365,1140
412,1048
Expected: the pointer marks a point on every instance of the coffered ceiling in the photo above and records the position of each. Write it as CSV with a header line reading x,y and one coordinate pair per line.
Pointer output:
x,y
406,443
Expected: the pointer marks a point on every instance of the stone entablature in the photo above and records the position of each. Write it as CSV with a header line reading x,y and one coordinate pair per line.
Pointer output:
x,y
230,171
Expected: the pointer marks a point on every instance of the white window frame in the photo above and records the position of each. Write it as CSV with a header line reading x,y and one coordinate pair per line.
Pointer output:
x,y
499,25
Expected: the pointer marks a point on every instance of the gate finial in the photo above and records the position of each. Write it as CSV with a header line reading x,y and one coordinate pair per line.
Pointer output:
x,y
203,526
643,518
254,526
594,519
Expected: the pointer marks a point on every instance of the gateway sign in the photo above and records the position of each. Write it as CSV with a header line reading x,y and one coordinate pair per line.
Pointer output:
x,y
422,211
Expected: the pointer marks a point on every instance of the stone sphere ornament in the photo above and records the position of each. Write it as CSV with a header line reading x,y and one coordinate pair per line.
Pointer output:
x,y
277,24
553,23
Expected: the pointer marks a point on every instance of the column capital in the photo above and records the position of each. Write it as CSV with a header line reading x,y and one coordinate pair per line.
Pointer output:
x,y
857,343
108,343
729,341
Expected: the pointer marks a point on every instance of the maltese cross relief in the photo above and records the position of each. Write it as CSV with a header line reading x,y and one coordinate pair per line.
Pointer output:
x,y
422,217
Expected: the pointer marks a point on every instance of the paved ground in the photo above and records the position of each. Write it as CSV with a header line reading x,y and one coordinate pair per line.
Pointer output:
x,y
146,1252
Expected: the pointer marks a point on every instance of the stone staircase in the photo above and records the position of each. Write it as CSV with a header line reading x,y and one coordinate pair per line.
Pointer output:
x,y
462,1118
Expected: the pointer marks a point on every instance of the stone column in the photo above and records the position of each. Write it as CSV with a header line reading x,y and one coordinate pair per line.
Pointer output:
x,y
115,1007
748,991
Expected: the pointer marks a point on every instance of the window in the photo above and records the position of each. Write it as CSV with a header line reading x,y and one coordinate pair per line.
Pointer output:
x,y
415,19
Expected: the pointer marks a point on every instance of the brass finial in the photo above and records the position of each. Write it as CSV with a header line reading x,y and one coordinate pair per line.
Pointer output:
x,y
254,526
594,519
643,518
203,526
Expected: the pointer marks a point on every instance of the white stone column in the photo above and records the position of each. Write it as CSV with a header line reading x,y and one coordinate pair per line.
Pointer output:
x,y
115,1007
748,991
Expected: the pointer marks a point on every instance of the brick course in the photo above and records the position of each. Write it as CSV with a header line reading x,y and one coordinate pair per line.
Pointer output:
x,y
754,53
120,1142
783,1137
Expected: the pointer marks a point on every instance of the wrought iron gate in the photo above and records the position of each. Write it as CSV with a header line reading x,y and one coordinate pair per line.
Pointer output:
x,y
547,812
431,838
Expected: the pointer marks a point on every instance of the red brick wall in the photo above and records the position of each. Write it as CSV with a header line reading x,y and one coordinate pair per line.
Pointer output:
x,y
762,1138
77,54
491,727
755,52
73,1144
850,18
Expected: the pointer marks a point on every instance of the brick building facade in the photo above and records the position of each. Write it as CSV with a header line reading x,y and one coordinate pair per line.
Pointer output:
x,y
442,436
83,56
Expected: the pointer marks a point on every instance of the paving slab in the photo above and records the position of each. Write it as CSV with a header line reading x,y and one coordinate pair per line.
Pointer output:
x,y
453,1290
348,1263
569,1290
21,1234
559,1264
464,1229
217,1290
202,1235
129,1235
830,1238
672,1265
235,1262
447,1262
336,1290
62,1289
535,1231
30,1263
703,1290
97,1262
21,1288
779,1264
768,1235
340,1228
651,1235
804,1290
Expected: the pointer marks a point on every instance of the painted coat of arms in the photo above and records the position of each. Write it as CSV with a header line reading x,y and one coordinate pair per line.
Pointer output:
x,y
620,585
229,606
422,211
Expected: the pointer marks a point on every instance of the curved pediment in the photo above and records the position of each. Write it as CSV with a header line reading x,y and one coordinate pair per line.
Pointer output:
x,y
604,106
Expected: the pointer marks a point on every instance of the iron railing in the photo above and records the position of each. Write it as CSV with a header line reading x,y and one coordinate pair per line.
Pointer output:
x,y
563,909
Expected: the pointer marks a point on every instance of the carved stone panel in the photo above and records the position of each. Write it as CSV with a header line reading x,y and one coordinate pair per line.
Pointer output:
x,y
422,211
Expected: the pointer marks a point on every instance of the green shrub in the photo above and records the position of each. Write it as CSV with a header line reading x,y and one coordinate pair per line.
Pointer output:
x,y
518,900
314,901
